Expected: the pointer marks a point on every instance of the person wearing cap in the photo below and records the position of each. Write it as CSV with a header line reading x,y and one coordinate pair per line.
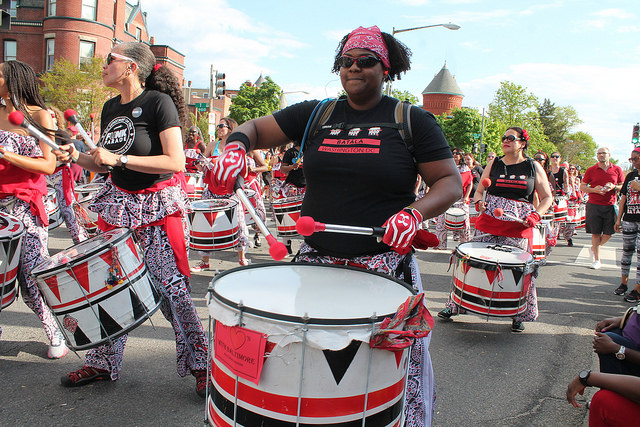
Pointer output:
x,y
601,181
362,173
628,221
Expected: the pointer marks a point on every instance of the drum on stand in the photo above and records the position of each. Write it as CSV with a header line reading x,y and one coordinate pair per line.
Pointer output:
x,y
53,210
287,212
99,289
491,279
213,225
195,184
454,219
561,210
11,232
318,368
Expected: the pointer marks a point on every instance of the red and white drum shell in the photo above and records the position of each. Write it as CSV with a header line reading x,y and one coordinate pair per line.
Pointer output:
x,y
213,225
539,241
195,184
287,213
86,217
582,215
454,219
576,213
99,289
251,195
491,279
324,372
548,215
11,232
561,210
53,210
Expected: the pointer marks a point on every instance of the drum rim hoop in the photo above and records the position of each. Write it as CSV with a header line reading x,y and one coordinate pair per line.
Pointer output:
x,y
503,265
97,251
15,219
298,319
229,204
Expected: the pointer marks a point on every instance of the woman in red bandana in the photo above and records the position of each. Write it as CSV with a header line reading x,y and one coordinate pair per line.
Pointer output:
x,y
360,171
24,163
141,143
514,180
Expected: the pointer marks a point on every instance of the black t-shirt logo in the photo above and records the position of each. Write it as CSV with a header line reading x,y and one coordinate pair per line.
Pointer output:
x,y
119,135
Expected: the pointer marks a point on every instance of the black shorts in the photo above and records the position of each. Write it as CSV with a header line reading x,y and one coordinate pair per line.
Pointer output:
x,y
600,219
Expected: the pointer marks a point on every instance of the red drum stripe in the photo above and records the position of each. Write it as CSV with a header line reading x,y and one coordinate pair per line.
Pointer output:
x,y
485,292
311,407
490,311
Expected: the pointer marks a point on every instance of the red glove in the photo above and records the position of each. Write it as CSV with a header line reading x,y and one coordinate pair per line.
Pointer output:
x,y
401,229
228,166
533,219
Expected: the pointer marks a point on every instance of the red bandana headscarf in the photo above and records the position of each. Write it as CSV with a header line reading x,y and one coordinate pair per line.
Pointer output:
x,y
371,39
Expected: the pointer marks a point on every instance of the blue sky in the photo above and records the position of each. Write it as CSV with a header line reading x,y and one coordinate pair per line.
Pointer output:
x,y
585,54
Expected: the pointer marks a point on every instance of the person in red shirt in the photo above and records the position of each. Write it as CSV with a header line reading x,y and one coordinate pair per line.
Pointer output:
x,y
601,181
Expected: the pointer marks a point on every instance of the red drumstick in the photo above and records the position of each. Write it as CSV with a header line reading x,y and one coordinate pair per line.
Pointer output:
x,y
500,212
486,183
16,118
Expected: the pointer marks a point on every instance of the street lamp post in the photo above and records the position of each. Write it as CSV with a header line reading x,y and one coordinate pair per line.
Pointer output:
x,y
448,26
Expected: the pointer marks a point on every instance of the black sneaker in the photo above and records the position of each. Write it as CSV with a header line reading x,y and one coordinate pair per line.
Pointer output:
x,y
621,289
517,326
632,296
446,313
570,242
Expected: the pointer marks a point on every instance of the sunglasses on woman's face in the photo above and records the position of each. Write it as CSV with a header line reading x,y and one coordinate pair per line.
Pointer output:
x,y
365,61
113,56
510,138
555,157
222,125
539,158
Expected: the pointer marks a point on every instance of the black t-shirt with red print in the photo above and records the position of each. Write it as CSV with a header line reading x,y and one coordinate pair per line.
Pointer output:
x,y
632,202
360,176
134,129
515,182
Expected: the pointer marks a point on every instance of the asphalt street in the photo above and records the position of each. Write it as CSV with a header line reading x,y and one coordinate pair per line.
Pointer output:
x,y
485,374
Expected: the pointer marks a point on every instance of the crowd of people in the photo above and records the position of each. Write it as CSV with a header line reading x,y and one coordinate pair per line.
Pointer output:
x,y
141,157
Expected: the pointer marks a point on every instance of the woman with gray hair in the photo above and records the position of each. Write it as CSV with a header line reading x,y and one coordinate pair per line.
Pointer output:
x,y
141,147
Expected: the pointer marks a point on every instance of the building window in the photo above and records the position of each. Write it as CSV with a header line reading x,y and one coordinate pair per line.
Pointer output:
x,y
89,9
87,51
13,8
205,95
51,8
48,56
138,34
10,50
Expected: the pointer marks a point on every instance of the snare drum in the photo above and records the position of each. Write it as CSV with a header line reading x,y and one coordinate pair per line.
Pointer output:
x,y
195,184
491,279
560,210
53,210
99,289
213,225
454,219
287,213
329,372
11,231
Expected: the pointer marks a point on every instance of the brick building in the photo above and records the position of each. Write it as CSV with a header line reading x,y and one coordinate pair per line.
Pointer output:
x,y
443,94
42,31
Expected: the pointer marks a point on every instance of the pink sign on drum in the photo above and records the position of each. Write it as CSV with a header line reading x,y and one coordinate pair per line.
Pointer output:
x,y
241,350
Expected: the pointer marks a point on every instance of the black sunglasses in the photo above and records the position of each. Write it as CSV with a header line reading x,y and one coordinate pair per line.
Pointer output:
x,y
539,158
222,125
510,138
365,61
555,156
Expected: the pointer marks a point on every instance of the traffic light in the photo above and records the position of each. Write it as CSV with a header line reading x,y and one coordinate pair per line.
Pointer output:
x,y
635,138
219,84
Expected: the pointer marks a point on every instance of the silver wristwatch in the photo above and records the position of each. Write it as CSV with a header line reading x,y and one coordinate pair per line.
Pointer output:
x,y
124,160
620,354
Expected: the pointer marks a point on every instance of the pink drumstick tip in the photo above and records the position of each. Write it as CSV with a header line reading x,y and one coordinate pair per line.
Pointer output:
x,y
486,183
69,113
306,226
16,118
498,212
277,250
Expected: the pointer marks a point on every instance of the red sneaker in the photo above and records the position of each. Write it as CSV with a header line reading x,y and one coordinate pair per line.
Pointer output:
x,y
84,376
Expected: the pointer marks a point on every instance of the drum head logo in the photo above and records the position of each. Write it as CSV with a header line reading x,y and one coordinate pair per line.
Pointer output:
x,y
70,323
118,136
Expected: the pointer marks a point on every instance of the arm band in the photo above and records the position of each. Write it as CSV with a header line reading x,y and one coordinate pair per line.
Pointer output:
x,y
240,137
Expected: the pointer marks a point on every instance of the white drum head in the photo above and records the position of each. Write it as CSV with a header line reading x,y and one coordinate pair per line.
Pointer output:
x,y
490,252
455,212
213,205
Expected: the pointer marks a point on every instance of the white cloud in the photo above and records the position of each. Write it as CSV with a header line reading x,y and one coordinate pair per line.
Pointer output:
x,y
613,13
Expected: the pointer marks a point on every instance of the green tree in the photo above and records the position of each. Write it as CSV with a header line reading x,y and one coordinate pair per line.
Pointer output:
x,y
580,149
462,128
68,86
404,95
557,122
202,121
252,102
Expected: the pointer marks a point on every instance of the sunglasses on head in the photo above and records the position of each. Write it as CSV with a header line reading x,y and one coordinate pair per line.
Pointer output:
x,y
365,61
113,56
222,125
510,138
